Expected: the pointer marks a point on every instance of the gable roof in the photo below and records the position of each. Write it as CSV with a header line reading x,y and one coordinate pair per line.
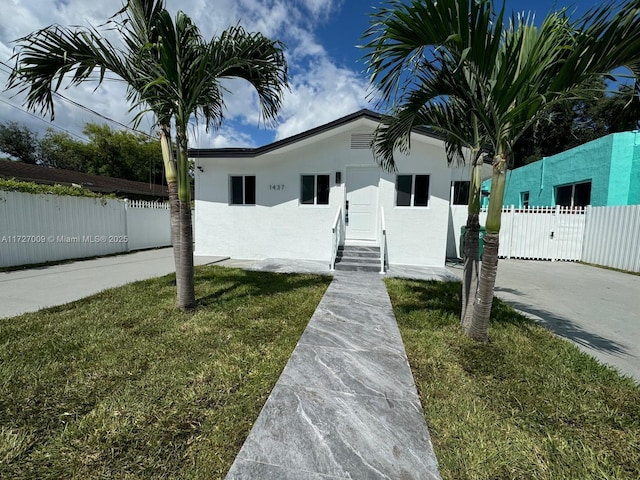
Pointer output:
x,y
255,152
96,183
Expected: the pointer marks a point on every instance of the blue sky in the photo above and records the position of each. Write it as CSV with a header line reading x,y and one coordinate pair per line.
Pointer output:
x,y
328,76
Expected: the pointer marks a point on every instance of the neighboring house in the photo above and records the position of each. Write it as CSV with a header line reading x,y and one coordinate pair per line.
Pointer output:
x,y
95,183
603,172
283,200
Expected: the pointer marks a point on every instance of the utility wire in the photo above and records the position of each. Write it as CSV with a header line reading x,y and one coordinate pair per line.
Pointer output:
x,y
43,120
83,107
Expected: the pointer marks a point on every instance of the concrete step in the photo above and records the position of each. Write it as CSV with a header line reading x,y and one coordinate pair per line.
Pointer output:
x,y
359,252
357,267
358,258
358,248
351,254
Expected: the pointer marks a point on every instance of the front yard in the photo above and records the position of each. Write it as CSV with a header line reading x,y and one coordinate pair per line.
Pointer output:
x,y
123,385
526,405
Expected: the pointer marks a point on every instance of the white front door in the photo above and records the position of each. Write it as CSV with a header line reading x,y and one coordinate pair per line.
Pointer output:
x,y
362,198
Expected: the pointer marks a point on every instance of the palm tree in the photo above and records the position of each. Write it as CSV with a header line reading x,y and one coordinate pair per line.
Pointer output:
x,y
461,53
455,125
170,70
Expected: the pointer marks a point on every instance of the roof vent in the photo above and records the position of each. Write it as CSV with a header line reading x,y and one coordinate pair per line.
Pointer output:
x,y
361,141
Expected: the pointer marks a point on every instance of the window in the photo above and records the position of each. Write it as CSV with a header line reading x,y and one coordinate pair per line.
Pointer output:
x,y
460,193
412,190
524,199
314,190
243,190
574,195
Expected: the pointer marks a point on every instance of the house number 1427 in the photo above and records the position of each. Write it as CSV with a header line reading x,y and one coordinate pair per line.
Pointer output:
x,y
276,187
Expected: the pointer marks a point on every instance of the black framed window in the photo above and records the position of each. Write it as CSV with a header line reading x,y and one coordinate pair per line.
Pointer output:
x,y
461,192
243,190
524,199
574,195
314,189
412,190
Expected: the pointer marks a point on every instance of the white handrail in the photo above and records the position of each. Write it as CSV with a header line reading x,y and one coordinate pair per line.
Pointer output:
x,y
336,236
383,241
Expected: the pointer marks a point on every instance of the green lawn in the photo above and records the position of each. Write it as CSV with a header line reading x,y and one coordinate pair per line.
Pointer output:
x,y
527,405
123,385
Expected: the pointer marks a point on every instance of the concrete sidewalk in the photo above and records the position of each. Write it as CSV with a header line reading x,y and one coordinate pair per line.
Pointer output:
x,y
346,404
31,289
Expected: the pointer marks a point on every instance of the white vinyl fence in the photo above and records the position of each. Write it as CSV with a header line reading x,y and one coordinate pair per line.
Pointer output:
x,y
612,237
542,233
608,236
38,228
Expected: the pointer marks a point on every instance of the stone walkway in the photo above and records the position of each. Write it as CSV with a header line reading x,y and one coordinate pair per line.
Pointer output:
x,y
346,405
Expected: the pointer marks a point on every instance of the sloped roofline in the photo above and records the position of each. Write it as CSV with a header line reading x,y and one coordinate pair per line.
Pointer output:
x,y
96,183
255,152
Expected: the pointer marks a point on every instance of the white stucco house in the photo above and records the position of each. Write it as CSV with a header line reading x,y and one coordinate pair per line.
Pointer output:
x,y
307,196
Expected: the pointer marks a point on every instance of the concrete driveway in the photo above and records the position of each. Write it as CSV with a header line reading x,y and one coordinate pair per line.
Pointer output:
x,y
35,288
597,309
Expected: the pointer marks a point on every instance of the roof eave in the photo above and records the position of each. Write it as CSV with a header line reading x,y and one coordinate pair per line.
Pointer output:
x,y
255,152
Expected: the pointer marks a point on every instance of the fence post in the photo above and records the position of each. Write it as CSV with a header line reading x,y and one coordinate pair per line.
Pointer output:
x,y
587,214
126,221
512,212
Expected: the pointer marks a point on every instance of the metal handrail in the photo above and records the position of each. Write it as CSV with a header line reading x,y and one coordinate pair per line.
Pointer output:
x,y
383,241
336,232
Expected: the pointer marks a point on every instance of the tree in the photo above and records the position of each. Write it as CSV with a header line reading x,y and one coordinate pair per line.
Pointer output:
x,y
122,154
19,142
109,152
170,70
60,150
567,125
517,70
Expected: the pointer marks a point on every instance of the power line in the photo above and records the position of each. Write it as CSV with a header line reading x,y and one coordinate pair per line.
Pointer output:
x,y
83,107
43,120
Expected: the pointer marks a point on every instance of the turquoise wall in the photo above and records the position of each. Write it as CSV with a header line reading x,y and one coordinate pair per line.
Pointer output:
x,y
611,163
634,188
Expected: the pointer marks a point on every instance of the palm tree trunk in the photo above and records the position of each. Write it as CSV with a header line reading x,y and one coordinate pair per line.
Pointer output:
x,y
185,286
172,186
186,297
471,246
470,271
479,328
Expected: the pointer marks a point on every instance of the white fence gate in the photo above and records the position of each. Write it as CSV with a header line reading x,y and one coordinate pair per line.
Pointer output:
x,y
541,233
607,236
39,228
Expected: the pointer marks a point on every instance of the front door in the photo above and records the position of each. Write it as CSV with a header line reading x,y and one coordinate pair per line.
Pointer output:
x,y
362,199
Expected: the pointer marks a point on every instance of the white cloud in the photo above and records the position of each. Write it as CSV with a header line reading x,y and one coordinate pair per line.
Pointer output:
x,y
321,9
320,90
325,93
224,137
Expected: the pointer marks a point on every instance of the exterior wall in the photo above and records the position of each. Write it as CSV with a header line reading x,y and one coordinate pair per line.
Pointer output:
x,y
278,226
273,227
418,235
634,188
586,162
612,163
620,178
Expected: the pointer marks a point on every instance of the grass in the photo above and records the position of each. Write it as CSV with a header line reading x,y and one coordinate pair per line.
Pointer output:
x,y
526,405
123,385
628,272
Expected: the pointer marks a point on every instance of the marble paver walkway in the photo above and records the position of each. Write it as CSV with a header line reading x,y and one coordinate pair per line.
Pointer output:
x,y
346,405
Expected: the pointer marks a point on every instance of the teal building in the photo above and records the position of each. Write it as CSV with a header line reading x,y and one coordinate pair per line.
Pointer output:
x,y
603,172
